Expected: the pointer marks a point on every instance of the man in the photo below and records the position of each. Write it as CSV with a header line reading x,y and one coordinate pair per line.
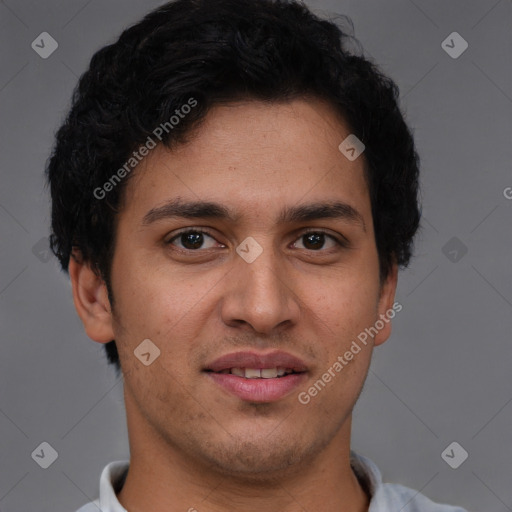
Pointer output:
x,y
233,193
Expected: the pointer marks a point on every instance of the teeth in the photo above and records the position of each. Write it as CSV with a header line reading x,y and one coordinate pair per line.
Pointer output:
x,y
256,373
269,373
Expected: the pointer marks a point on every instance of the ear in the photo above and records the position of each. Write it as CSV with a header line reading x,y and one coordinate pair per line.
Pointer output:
x,y
386,309
91,299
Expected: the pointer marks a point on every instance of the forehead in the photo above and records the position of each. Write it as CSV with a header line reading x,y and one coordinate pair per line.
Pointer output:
x,y
254,158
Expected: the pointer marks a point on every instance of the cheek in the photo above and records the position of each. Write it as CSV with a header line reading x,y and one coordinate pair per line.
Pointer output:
x,y
146,308
347,347
169,309
347,304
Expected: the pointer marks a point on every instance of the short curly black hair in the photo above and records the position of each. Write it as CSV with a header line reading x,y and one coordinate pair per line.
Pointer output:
x,y
221,51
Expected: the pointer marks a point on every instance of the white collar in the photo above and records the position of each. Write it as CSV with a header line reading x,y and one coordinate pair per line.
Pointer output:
x,y
114,474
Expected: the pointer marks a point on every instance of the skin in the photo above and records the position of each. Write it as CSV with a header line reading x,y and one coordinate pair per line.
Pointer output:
x,y
192,444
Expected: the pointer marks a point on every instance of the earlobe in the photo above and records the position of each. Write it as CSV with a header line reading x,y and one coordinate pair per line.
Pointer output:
x,y
386,309
91,300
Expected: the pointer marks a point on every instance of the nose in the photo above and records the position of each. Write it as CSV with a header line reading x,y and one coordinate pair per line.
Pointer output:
x,y
260,296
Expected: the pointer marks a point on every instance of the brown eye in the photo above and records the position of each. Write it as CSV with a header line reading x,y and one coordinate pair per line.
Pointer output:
x,y
316,240
191,240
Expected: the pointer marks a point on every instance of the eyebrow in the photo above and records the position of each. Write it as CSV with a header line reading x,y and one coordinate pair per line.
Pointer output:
x,y
177,208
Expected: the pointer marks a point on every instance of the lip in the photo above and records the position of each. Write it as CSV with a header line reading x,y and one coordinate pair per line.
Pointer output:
x,y
257,390
248,359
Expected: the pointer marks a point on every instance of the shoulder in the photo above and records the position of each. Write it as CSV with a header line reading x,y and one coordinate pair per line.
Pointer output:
x,y
395,495
386,497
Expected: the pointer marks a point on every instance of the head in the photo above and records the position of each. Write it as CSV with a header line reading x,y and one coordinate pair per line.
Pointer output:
x,y
197,104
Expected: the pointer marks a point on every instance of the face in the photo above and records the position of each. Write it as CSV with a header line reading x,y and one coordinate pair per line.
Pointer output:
x,y
265,280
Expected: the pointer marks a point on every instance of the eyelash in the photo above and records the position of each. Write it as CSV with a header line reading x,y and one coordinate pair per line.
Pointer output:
x,y
340,243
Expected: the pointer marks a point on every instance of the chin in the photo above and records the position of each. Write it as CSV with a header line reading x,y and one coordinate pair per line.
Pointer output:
x,y
259,461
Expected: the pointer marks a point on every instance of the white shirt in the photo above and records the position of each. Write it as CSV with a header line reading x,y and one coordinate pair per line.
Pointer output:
x,y
384,497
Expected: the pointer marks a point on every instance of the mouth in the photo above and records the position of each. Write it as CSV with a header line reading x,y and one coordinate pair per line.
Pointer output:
x,y
258,373
258,378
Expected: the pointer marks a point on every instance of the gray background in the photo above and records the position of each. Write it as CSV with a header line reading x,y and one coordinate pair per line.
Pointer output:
x,y
443,376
